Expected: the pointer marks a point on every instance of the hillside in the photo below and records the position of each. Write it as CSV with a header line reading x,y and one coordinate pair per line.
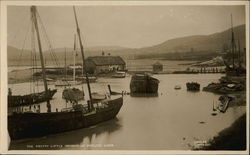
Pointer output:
x,y
200,43
23,57
199,47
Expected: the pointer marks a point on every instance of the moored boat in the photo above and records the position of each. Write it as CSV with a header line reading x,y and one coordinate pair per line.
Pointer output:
x,y
177,87
233,60
193,86
224,103
31,124
84,80
119,74
28,125
60,83
143,84
29,99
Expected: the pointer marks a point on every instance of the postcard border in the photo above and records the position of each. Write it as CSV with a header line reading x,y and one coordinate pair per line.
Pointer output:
x,y
3,73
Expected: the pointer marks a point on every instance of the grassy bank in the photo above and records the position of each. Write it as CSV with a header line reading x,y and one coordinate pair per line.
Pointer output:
x,y
231,138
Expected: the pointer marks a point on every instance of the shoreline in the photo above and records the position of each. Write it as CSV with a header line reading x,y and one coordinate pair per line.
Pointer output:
x,y
25,75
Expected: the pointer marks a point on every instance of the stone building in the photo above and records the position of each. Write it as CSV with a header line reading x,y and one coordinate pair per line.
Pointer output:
x,y
104,64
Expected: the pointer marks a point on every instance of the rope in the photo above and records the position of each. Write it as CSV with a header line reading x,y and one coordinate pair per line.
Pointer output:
x,y
51,49
21,54
32,61
33,52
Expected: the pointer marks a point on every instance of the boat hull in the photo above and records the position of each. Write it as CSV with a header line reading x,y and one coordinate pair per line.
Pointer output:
x,y
193,86
144,85
118,76
61,83
224,103
29,125
25,100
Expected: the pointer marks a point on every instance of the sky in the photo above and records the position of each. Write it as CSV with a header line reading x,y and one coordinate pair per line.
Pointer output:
x,y
125,26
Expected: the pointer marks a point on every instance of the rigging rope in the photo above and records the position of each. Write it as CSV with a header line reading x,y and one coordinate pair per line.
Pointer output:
x,y
34,59
31,57
20,55
51,49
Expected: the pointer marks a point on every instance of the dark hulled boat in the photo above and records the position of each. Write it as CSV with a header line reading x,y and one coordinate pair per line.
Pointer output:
x,y
30,124
224,103
193,86
26,100
143,84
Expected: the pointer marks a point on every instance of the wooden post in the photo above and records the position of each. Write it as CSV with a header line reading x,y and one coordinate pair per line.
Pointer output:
x,y
232,40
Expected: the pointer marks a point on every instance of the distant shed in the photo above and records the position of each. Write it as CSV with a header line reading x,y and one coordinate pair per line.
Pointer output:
x,y
157,67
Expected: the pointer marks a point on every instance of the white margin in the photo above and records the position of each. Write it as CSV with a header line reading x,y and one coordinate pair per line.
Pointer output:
x,y
3,73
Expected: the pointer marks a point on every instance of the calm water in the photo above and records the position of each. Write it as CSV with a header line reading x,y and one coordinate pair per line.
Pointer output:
x,y
169,121
146,65
134,65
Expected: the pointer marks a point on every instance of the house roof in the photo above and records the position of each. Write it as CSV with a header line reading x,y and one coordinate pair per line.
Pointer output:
x,y
106,60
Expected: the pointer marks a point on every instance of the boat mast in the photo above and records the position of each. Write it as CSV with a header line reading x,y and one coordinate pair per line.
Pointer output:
x,y
232,40
83,59
239,53
74,59
34,19
65,63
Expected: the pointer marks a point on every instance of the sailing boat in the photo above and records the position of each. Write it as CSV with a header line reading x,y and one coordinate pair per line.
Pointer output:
x,y
28,125
63,82
73,81
77,80
34,97
234,69
73,94
29,99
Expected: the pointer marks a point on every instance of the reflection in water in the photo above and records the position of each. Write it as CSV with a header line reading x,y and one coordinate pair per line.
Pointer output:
x,y
68,139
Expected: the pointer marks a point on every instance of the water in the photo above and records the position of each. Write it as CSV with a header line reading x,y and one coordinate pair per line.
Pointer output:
x,y
146,65
170,121
16,68
134,65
